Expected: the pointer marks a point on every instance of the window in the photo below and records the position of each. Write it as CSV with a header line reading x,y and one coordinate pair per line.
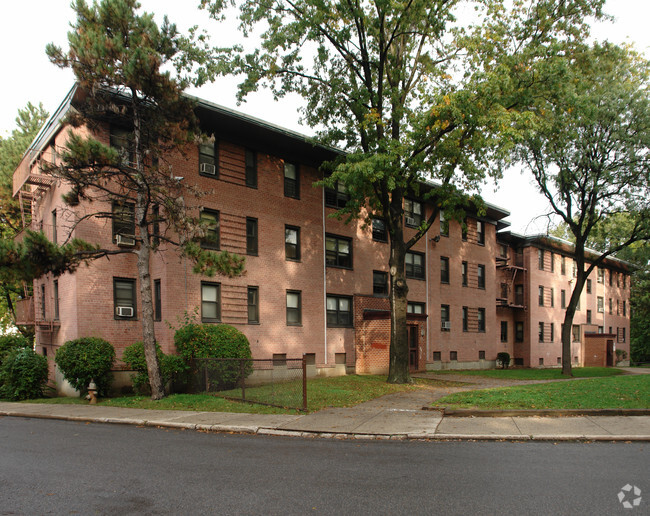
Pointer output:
x,y
444,269
481,319
552,336
541,332
624,280
624,308
575,332
413,213
445,323
552,262
601,276
124,224
588,286
210,221
210,302
43,310
251,236
339,311
124,298
480,232
504,291
157,300
415,308
618,307
562,298
621,334
519,295
54,235
291,181
250,157
481,276
414,265
122,140
338,251
292,243
208,153
611,278
611,306
588,316
563,266
552,298
503,251
541,295
465,317
504,331
464,274
463,229
155,218
601,329
379,232
540,259
437,356
600,304
541,361
574,269
56,300
294,308
379,283
481,355
337,196
444,224
453,355
519,331
253,305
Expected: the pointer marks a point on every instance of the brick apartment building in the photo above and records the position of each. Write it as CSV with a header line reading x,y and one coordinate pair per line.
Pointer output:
x,y
313,285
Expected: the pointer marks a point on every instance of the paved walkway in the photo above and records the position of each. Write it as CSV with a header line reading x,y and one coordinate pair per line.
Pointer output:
x,y
395,416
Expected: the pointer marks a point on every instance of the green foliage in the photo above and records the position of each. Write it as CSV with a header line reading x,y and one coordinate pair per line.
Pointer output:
x,y
23,374
503,358
621,355
10,343
85,359
171,366
198,341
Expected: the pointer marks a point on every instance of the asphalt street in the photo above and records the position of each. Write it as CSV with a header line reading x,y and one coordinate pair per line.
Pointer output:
x,y
61,467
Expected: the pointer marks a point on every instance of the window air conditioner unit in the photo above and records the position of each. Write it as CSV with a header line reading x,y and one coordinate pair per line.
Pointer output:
x,y
124,311
410,221
124,241
446,325
208,168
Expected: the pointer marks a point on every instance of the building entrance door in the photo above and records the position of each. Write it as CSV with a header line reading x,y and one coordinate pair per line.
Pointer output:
x,y
413,348
610,353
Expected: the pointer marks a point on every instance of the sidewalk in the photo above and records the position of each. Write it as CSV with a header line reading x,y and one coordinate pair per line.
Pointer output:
x,y
380,419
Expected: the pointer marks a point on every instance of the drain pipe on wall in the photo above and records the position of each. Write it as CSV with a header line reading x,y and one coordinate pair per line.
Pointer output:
x,y
324,278
426,286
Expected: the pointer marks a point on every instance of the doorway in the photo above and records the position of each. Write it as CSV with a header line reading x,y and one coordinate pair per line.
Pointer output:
x,y
414,351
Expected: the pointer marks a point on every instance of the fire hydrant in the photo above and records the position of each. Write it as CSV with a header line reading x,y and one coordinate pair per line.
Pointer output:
x,y
92,392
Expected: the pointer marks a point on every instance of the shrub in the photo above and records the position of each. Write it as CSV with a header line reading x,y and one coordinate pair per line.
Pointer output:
x,y
23,374
621,355
9,343
503,358
86,359
215,341
171,366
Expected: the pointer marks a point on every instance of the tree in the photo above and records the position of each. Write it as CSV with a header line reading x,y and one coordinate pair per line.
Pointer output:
x,y
411,96
589,158
118,57
28,123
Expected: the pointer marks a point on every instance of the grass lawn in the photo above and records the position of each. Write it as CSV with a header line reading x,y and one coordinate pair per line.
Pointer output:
x,y
339,391
596,393
538,374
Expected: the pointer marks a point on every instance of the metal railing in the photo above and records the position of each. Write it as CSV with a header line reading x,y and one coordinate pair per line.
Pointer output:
x,y
273,382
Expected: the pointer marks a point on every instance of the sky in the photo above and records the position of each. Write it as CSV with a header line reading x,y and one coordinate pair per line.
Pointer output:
x,y
26,27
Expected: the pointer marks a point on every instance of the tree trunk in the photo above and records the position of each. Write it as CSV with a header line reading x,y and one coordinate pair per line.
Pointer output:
x,y
398,369
148,333
567,329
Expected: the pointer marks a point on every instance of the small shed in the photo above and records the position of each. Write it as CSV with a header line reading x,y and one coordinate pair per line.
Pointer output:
x,y
598,349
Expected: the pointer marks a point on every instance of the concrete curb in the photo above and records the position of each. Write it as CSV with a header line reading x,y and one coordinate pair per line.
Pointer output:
x,y
541,412
254,430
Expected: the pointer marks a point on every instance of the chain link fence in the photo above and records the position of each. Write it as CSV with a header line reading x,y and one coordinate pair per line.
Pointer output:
x,y
273,382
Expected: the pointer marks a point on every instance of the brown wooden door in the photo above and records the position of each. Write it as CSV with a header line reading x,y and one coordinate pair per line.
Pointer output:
x,y
413,348
610,353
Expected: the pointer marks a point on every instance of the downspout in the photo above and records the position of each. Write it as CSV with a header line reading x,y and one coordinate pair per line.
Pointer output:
x,y
324,277
426,286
